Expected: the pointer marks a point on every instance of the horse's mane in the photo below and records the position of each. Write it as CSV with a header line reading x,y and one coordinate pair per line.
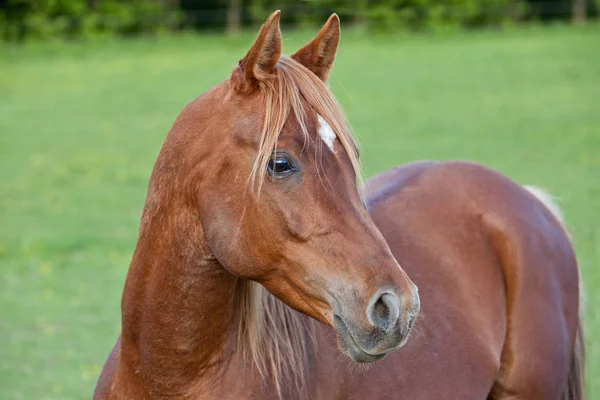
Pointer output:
x,y
270,334
274,337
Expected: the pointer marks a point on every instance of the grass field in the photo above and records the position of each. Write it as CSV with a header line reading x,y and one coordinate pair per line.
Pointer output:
x,y
80,127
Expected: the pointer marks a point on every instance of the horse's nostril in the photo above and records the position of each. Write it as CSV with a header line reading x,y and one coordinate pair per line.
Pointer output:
x,y
381,312
384,311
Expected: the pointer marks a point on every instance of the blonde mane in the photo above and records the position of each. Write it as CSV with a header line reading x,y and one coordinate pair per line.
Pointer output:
x,y
274,337
270,334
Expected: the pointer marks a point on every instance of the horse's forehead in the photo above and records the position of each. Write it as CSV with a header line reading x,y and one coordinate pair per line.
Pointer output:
x,y
248,118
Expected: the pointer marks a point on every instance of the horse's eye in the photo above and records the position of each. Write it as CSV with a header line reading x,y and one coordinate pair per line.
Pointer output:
x,y
280,166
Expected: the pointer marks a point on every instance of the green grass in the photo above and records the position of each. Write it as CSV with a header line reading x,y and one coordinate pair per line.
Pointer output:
x,y
80,127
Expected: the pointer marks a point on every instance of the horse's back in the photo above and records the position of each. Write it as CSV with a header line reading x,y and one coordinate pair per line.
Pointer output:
x,y
497,280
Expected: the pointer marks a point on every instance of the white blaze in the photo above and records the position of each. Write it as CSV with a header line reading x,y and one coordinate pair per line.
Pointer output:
x,y
326,133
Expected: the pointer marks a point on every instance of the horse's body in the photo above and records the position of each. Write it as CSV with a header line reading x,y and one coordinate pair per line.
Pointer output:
x,y
493,266
497,278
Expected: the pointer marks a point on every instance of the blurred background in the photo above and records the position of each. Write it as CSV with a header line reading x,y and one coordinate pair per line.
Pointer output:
x,y
89,89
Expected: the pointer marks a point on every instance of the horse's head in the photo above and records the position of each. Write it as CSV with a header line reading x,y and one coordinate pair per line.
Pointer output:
x,y
274,170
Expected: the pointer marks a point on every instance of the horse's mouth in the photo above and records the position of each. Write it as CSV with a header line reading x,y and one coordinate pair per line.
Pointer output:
x,y
349,346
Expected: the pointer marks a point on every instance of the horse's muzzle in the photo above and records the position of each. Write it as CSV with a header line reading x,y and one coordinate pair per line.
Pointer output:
x,y
389,318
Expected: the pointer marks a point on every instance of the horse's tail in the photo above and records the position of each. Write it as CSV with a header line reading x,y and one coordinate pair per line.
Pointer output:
x,y
575,384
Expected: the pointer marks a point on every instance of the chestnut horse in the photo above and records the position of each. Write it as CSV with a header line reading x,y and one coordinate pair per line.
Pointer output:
x,y
259,265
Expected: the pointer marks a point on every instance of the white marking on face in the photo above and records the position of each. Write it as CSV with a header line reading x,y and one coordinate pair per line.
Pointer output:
x,y
326,133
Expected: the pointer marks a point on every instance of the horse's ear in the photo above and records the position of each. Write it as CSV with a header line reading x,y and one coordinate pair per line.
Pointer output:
x,y
318,55
259,63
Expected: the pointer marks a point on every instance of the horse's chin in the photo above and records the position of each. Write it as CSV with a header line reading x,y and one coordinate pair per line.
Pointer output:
x,y
348,345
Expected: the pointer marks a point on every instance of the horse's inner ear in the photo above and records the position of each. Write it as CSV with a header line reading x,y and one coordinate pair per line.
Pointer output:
x,y
259,63
319,54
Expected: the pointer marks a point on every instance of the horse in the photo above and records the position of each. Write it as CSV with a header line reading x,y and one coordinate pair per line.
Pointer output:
x,y
265,268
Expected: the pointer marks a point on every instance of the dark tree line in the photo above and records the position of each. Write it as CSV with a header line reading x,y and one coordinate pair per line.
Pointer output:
x,y
20,19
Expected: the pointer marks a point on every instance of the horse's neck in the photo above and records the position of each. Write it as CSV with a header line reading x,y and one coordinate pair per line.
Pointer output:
x,y
177,306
